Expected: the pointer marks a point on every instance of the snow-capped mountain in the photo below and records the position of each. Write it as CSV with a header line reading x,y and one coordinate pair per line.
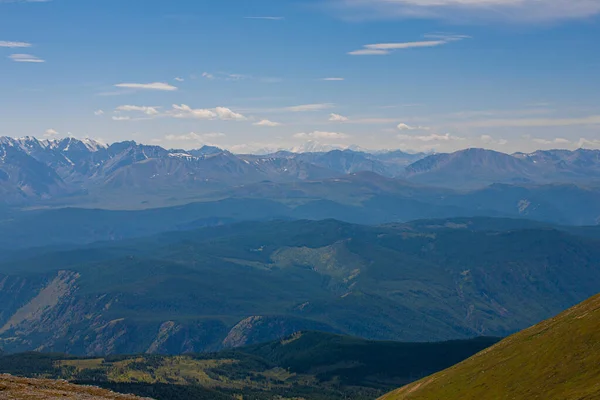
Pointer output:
x,y
32,170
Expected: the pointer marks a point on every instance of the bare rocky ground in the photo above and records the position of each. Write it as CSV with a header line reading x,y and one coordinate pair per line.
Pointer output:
x,y
13,388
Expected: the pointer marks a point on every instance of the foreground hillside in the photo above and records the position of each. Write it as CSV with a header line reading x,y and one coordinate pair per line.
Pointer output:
x,y
13,388
241,284
309,365
555,360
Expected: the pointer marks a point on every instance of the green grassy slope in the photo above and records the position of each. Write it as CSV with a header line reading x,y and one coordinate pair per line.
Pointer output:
x,y
555,360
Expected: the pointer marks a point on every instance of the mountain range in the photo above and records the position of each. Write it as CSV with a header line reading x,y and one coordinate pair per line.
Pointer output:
x,y
72,171
236,284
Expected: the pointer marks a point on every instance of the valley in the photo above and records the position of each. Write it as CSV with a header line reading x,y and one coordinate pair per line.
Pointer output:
x,y
309,365
299,200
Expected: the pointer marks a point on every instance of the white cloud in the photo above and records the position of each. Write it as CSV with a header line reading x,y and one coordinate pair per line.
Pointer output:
x,y
266,122
26,58
178,79
14,45
534,122
196,137
382,49
310,107
552,141
185,111
405,127
487,139
225,76
120,118
144,109
471,10
434,137
337,118
587,143
50,133
369,52
99,112
226,114
148,86
222,113
333,79
213,135
321,135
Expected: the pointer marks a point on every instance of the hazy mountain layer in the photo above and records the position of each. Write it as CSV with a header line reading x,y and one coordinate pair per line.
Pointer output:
x,y
130,175
238,284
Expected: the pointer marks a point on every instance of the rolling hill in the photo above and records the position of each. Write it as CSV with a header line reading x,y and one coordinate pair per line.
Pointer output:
x,y
311,365
554,360
362,198
233,285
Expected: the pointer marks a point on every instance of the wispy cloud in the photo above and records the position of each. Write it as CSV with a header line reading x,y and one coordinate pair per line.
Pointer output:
x,y
434,137
333,79
310,107
487,139
120,118
51,133
14,45
337,118
557,141
26,58
147,86
406,127
144,109
533,122
585,143
469,114
321,135
222,113
178,79
383,49
266,122
99,112
267,18
194,137
224,76
469,11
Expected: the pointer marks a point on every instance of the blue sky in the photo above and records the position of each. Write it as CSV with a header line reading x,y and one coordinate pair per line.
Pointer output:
x,y
510,75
